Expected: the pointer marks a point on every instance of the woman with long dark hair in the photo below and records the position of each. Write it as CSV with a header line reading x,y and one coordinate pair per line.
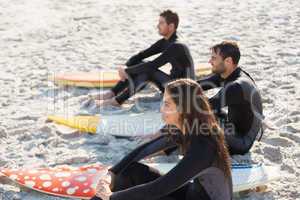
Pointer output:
x,y
203,172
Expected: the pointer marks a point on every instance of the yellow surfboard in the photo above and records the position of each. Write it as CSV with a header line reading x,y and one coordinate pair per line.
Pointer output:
x,y
121,125
202,70
106,79
102,79
82,123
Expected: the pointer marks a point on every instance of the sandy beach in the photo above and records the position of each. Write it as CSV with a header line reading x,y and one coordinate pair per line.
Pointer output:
x,y
42,38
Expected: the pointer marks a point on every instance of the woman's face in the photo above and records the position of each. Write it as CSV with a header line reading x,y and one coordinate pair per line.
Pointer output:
x,y
169,112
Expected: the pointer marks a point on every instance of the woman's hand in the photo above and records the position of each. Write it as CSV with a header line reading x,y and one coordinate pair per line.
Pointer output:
x,y
102,190
112,180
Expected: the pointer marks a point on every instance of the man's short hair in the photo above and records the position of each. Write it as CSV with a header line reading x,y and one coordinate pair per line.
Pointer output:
x,y
171,17
228,49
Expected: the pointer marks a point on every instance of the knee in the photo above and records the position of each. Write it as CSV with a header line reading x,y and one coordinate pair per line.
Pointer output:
x,y
238,150
119,182
238,145
123,180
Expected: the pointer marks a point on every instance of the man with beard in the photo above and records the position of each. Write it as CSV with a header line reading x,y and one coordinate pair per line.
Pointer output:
x,y
238,95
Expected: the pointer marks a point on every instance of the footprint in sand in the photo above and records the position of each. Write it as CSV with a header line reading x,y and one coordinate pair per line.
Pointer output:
x,y
279,141
293,127
3,132
291,136
273,154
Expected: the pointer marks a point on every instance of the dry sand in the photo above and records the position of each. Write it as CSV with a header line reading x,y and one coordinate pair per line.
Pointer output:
x,y
40,38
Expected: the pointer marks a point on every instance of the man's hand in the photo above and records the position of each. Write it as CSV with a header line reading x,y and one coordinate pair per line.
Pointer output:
x,y
123,75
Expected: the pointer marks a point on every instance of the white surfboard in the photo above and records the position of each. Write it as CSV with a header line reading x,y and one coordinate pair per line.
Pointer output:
x,y
130,125
121,125
244,176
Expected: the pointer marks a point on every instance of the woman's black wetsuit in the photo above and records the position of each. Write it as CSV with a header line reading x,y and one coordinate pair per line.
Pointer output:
x,y
198,176
140,73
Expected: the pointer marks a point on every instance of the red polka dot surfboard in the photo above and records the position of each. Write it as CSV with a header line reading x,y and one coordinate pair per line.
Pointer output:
x,y
81,182
62,181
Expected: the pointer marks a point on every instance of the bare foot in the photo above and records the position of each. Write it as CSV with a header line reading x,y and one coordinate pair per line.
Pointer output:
x,y
103,95
83,98
100,96
107,102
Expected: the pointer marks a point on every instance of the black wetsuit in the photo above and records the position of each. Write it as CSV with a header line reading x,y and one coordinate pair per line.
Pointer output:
x,y
140,72
243,121
200,164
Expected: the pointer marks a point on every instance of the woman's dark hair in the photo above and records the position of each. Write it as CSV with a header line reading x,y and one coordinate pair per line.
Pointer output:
x,y
197,118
